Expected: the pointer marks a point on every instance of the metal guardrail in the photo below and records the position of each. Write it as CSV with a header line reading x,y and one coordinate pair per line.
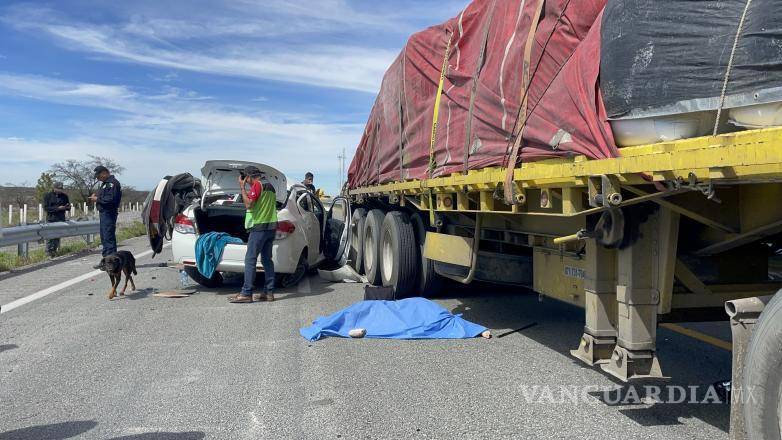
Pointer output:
x,y
24,234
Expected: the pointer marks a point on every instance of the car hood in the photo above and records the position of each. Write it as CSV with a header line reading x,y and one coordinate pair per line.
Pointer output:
x,y
222,177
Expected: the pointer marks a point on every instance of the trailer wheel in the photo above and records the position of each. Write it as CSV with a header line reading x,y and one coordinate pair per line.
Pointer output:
x,y
762,387
211,283
399,255
429,282
372,228
356,254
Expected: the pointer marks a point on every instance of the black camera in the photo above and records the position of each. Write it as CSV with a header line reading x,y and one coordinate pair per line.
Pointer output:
x,y
242,175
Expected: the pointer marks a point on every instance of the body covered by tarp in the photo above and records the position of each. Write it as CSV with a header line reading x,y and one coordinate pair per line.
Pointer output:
x,y
209,250
494,49
667,57
411,318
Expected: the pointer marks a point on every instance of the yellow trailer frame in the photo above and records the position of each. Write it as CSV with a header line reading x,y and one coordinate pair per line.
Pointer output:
x,y
622,290
753,155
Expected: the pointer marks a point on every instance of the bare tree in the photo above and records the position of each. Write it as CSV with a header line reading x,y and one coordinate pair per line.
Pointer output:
x,y
78,175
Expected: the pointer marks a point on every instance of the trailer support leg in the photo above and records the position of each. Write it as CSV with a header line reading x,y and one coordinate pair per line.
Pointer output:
x,y
638,296
599,338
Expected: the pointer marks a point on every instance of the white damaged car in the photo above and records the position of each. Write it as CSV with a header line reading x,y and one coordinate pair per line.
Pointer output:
x,y
308,234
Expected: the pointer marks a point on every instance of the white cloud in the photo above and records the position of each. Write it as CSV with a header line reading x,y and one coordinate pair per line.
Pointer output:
x,y
154,136
163,42
64,92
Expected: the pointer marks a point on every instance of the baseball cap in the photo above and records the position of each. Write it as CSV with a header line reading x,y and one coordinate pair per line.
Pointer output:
x,y
99,169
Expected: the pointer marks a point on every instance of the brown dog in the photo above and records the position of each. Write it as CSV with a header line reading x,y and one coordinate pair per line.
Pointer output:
x,y
115,265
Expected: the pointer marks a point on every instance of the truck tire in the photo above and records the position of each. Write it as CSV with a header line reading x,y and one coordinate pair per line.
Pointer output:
x,y
399,255
372,228
356,253
212,283
429,282
763,375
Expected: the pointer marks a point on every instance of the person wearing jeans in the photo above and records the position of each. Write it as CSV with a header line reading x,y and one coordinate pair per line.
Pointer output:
x,y
261,223
260,242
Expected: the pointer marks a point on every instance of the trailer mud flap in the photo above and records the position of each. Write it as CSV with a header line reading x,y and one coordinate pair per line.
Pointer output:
x,y
450,249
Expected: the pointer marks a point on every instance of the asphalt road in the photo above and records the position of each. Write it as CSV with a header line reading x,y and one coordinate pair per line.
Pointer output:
x,y
75,365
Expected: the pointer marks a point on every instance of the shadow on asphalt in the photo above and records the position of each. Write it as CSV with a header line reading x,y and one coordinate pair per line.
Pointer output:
x,y
50,263
517,312
152,265
57,431
140,294
6,347
191,435
233,285
717,415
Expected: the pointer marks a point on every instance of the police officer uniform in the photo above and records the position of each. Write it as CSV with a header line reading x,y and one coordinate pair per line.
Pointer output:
x,y
108,203
56,204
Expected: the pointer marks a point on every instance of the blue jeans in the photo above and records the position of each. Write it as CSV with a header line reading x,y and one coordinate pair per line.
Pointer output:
x,y
108,229
259,242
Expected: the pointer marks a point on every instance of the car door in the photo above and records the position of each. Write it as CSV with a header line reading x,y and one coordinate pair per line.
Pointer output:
x,y
335,231
311,226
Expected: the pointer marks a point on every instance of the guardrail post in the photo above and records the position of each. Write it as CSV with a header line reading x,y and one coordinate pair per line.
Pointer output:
x,y
23,249
40,213
10,215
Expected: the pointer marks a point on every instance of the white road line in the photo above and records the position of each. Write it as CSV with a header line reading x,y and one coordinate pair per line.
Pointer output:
x,y
56,288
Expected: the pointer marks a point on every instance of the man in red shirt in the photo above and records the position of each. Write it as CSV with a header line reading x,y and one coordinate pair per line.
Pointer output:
x,y
261,222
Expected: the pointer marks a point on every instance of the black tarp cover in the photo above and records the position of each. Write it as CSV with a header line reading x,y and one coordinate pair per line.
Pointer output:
x,y
662,57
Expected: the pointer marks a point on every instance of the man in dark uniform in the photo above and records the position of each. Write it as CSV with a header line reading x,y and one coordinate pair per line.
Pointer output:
x,y
308,179
107,200
56,204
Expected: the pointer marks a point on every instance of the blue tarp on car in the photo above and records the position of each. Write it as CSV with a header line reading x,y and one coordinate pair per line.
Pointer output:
x,y
411,318
209,250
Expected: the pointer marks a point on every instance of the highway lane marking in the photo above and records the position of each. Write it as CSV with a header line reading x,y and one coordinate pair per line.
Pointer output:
x,y
5,308
711,340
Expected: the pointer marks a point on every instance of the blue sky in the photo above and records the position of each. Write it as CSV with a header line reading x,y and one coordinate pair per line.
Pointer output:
x,y
163,86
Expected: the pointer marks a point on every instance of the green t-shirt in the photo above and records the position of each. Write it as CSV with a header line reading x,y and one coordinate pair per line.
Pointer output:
x,y
262,215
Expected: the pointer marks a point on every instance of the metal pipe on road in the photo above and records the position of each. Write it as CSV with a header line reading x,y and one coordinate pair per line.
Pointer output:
x,y
743,314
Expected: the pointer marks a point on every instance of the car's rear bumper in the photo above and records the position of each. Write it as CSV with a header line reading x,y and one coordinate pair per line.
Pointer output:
x,y
183,248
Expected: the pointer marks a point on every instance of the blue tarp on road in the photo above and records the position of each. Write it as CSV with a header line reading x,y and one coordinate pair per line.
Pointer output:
x,y
209,250
411,318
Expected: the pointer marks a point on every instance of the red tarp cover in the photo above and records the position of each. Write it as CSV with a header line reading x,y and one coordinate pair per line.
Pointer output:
x,y
565,111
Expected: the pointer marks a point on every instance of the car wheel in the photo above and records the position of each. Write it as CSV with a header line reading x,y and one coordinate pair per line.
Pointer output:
x,y
291,279
212,283
430,283
399,255
356,254
762,384
372,227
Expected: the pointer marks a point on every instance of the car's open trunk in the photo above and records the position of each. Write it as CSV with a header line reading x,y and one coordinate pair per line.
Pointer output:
x,y
221,218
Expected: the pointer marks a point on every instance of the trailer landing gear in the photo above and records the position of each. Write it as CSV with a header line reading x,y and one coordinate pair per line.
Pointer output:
x,y
623,290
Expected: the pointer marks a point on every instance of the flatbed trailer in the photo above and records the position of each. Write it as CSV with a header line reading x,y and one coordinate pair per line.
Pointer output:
x,y
668,232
